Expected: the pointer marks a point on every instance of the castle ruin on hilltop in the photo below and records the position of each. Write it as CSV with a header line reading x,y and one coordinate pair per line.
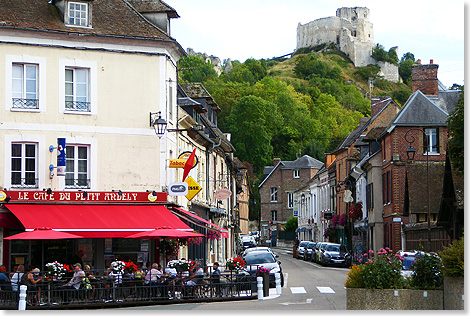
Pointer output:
x,y
353,34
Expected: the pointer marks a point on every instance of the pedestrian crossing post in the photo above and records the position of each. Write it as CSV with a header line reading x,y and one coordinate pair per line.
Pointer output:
x,y
278,283
22,301
259,281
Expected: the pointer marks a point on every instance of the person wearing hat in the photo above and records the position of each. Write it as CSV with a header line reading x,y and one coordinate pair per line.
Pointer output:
x,y
77,278
78,275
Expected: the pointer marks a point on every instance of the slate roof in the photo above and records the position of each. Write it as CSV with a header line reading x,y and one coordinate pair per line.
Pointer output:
x,y
304,162
114,18
421,110
153,6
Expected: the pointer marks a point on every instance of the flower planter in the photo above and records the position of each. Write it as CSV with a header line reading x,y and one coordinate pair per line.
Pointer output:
x,y
389,299
454,293
265,277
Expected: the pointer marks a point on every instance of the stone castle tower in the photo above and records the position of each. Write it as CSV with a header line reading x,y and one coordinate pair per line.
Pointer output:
x,y
351,30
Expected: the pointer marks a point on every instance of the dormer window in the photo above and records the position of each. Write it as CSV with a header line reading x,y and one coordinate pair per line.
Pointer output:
x,y
78,14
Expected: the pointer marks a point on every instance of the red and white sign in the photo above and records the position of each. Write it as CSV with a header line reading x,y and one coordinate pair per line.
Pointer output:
x,y
82,196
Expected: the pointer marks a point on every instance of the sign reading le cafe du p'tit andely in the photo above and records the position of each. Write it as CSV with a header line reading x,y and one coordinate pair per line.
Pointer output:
x,y
82,196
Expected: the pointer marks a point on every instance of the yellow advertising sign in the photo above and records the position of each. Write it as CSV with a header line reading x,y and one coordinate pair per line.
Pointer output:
x,y
177,163
193,188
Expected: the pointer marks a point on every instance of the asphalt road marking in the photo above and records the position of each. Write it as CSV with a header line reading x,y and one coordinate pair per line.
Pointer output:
x,y
298,290
325,290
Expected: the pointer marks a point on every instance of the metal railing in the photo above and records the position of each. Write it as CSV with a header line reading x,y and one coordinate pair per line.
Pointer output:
x,y
25,103
24,183
78,106
103,291
77,183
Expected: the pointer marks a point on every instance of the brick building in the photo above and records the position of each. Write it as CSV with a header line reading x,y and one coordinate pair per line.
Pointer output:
x,y
412,189
277,189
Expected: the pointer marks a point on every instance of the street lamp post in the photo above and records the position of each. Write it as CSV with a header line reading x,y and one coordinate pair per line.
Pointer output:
x,y
410,152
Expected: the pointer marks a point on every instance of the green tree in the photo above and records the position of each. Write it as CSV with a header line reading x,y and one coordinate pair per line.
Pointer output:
x,y
291,224
456,127
251,123
404,67
195,69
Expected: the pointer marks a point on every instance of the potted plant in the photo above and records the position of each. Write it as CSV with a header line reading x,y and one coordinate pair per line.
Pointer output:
x,y
56,270
235,263
118,267
355,211
264,273
213,234
181,265
130,267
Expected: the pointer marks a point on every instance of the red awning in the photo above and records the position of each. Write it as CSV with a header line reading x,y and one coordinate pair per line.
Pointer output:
x,y
178,211
96,221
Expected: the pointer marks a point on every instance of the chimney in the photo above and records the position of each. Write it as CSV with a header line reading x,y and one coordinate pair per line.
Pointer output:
x,y
276,161
424,78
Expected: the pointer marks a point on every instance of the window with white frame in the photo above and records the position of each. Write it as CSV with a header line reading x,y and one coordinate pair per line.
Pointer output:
x,y
432,141
78,14
274,216
290,200
77,89
296,173
24,165
25,86
273,194
77,167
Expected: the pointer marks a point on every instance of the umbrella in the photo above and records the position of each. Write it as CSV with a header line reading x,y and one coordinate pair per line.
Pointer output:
x,y
165,232
43,233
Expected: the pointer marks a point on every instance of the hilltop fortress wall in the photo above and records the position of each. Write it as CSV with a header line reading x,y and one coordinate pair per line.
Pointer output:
x,y
352,32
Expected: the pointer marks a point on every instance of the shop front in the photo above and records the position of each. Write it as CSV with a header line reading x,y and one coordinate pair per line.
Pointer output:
x,y
103,220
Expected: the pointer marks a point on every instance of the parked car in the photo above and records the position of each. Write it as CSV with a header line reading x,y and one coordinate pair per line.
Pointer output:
x,y
309,250
267,249
315,251
336,254
301,249
254,259
408,258
319,250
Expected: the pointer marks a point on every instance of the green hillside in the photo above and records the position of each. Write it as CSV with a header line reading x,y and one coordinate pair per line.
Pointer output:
x,y
284,107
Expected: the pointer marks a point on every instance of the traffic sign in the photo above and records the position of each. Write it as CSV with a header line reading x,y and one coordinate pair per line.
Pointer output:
x,y
193,188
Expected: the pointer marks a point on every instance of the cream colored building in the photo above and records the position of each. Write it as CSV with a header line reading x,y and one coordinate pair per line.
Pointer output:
x,y
96,73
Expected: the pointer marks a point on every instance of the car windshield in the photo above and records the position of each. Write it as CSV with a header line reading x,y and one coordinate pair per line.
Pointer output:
x,y
311,246
332,248
259,257
407,261
303,244
323,246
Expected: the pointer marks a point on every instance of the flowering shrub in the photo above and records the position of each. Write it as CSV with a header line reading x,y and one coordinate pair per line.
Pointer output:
x,y
118,267
342,220
334,220
235,263
195,241
262,269
355,211
56,269
181,264
170,247
213,234
381,272
130,267
453,258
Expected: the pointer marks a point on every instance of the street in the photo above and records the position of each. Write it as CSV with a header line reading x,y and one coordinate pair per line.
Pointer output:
x,y
307,286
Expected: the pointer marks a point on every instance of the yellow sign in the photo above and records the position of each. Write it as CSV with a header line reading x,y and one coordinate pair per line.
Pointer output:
x,y
193,188
177,163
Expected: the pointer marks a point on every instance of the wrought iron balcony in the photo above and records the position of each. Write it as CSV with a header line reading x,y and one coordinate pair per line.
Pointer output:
x,y
25,103
78,106
24,183
77,183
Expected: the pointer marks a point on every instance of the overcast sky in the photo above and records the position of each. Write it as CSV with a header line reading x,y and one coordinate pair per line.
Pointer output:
x,y
243,29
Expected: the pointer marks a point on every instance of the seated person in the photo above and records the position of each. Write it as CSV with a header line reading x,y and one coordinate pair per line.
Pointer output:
x,y
77,278
196,276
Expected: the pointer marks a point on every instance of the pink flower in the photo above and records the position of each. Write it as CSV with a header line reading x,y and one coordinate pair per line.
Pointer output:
x,y
371,251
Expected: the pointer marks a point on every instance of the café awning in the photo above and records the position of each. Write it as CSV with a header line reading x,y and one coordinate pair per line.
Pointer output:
x,y
199,220
96,221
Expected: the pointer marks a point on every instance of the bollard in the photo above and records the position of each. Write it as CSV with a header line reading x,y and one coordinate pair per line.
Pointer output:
x,y
278,283
22,301
259,280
